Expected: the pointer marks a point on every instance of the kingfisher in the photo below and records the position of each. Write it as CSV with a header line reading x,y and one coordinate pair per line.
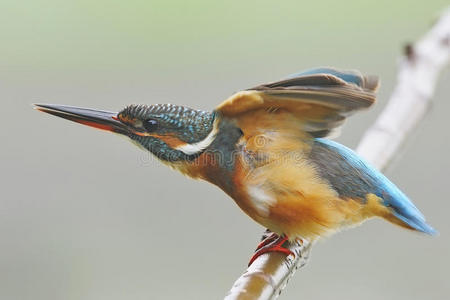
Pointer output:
x,y
269,149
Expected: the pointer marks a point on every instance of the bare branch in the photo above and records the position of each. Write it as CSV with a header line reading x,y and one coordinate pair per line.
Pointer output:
x,y
269,274
417,77
418,72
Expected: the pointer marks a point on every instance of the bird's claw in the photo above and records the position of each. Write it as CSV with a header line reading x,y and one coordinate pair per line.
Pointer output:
x,y
273,243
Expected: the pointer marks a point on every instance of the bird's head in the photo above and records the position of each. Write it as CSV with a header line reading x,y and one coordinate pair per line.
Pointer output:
x,y
172,133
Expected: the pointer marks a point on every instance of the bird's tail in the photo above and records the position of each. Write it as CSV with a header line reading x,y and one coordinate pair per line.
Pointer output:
x,y
403,212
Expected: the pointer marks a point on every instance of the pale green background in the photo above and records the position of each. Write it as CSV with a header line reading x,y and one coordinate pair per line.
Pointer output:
x,y
86,215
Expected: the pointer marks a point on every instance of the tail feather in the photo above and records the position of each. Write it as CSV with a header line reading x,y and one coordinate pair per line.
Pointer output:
x,y
363,178
415,223
403,209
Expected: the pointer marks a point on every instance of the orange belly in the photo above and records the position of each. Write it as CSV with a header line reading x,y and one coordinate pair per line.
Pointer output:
x,y
288,197
285,193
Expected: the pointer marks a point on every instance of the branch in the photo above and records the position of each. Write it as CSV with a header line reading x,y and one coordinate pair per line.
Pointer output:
x,y
417,77
416,81
267,276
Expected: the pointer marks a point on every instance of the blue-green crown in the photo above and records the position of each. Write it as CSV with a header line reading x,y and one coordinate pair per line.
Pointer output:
x,y
186,124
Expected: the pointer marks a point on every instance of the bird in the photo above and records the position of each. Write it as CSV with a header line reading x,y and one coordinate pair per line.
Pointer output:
x,y
270,149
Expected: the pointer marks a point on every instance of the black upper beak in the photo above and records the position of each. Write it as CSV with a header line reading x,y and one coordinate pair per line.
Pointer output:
x,y
104,120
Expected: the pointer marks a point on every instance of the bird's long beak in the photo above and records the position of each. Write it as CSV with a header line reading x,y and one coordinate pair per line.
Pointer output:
x,y
104,120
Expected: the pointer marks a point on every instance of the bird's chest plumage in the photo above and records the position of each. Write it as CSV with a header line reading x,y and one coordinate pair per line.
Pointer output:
x,y
285,195
272,179
275,184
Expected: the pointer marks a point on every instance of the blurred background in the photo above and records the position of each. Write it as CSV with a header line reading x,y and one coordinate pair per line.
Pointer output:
x,y
87,215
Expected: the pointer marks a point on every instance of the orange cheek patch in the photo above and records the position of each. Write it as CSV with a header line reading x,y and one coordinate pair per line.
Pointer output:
x,y
171,140
126,119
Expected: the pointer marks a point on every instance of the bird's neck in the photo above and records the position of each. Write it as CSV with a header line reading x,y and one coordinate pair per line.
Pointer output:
x,y
216,163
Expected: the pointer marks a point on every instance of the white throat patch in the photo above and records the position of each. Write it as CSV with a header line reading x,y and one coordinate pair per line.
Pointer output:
x,y
190,149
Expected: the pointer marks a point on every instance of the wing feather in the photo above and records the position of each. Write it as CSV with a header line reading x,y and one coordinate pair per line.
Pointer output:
x,y
320,98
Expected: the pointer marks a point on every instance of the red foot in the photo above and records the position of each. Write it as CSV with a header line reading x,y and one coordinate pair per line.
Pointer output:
x,y
273,243
269,239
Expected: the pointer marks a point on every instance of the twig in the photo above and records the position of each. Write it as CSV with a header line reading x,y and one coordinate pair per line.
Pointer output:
x,y
268,274
417,77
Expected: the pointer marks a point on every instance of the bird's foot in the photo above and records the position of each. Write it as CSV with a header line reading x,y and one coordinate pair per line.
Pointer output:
x,y
268,239
272,243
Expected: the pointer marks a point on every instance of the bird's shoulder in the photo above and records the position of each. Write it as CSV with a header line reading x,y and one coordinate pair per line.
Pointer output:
x,y
319,100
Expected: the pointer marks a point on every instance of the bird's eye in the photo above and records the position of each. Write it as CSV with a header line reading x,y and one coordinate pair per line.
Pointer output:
x,y
151,125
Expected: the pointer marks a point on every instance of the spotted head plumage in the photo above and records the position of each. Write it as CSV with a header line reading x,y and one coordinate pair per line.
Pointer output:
x,y
170,132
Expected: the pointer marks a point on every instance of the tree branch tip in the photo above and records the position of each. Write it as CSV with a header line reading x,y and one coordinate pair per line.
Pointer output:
x,y
409,52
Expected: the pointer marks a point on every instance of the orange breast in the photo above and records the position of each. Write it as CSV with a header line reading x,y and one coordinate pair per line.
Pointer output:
x,y
273,182
287,197
280,189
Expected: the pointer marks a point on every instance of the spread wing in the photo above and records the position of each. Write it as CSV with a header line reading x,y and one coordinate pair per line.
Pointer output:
x,y
319,99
